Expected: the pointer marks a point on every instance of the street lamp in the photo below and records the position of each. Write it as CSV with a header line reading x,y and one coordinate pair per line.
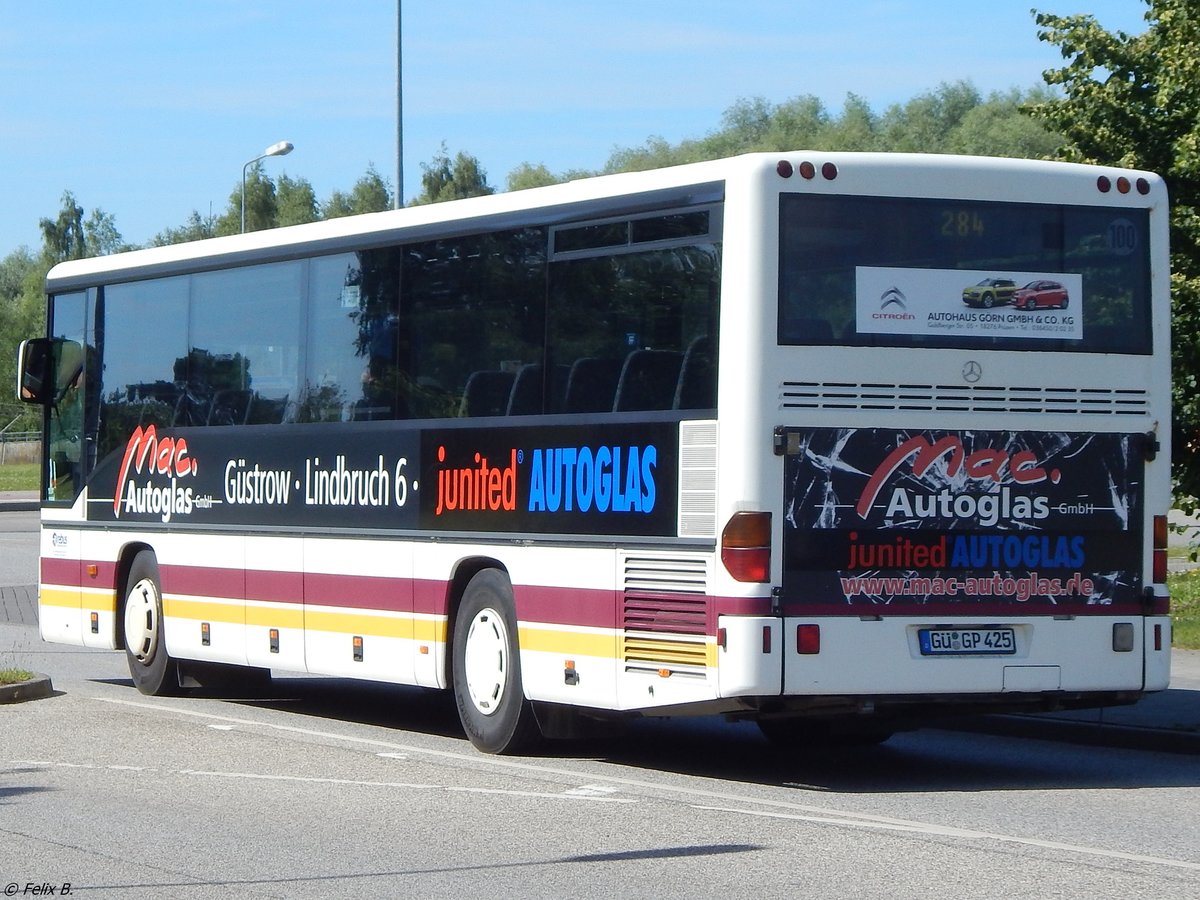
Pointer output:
x,y
283,148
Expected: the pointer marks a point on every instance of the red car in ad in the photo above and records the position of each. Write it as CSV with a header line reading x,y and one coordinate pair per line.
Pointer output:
x,y
1041,295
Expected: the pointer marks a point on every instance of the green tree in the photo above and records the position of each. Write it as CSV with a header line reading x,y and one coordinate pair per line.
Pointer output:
x,y
954,118
1002,127
446,179
369,194
21,316
197,228
1134,101
101,236
926,123
527,176
857,128
262,206
63,237
295,201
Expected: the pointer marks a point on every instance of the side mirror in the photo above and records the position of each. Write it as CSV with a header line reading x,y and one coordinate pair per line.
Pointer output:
x,y
35,371
47,368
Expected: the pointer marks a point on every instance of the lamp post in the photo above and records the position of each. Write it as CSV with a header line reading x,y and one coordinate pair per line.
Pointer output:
x,y
283,148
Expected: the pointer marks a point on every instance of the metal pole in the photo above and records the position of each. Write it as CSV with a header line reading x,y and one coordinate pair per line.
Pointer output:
x,y
399,197
252,162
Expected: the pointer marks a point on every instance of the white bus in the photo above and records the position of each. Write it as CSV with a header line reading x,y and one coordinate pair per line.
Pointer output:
x,y
831,442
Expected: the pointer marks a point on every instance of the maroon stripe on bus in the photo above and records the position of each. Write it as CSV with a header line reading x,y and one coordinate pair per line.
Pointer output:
x,y
61,571
203,581
566,606
274,587
358,591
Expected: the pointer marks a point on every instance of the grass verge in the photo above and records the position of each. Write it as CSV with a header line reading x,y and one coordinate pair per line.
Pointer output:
x,y
1185,609
19,477
14,676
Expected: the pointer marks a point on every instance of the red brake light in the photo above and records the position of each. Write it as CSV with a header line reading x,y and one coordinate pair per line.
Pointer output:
x,y
808,639
1160,550
746,546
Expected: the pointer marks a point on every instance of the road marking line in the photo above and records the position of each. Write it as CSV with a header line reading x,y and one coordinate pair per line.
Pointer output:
x,y
965,833
790,809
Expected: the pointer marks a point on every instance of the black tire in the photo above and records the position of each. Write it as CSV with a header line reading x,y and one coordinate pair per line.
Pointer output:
x,y
1066,300
486,668
1030,304
987,301
154,671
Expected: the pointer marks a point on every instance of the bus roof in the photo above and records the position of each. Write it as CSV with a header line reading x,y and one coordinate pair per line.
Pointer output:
x,y
585,198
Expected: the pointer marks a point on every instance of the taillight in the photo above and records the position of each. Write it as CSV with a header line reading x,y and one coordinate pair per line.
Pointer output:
x,y
746,546
1160,550
808,639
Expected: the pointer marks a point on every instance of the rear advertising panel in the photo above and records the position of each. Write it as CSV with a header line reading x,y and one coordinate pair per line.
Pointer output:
x,y
618,479
965,522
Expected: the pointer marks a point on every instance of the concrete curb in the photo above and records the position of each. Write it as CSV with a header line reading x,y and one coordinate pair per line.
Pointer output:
x,y
1093,734
19,501
36,688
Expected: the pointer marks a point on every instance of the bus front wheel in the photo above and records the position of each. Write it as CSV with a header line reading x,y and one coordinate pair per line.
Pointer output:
x,y
154,671
486,668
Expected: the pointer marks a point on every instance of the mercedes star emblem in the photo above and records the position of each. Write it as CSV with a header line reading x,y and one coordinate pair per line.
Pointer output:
x,y
972,372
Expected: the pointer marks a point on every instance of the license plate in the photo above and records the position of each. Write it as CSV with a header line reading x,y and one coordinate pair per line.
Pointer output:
x,y
967,641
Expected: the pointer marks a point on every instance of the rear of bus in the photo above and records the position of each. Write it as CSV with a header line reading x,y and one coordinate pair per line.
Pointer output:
x,y
943,496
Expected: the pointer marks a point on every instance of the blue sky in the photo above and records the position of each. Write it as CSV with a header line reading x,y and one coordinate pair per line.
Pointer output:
x,y
148,109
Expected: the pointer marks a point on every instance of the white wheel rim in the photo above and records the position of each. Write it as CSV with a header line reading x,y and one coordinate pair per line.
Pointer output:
x,y
485,660
141,620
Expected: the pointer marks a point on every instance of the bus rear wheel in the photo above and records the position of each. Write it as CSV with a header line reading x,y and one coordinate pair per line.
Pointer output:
x,y
153,669
487,670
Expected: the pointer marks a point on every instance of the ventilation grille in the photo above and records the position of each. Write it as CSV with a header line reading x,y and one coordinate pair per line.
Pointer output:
x,y
961,398
665,615
698,479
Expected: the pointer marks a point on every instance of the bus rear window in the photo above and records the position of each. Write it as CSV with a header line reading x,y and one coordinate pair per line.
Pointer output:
x,y
901,272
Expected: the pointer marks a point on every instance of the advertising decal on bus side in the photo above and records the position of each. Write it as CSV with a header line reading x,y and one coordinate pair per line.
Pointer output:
x,y
597,479
940,519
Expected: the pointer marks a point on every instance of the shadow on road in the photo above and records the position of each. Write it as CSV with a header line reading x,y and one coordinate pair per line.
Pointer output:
x,y
924,760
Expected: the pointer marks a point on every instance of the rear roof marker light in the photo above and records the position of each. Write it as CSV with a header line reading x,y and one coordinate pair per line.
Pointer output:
x,y
1103,184
1123,185
808,170
1143,186
784,168
829,171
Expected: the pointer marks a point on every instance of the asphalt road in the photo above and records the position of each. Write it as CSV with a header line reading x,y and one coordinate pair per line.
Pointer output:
x,y
332,788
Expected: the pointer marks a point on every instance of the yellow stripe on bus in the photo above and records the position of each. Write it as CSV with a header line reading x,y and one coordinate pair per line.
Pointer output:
x,y
275,616
400,626
571,643
59,596
602,645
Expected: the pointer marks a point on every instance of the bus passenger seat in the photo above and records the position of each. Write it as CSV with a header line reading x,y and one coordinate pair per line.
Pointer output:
x,y
648,380
486,393
591,385
525,399
697,388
